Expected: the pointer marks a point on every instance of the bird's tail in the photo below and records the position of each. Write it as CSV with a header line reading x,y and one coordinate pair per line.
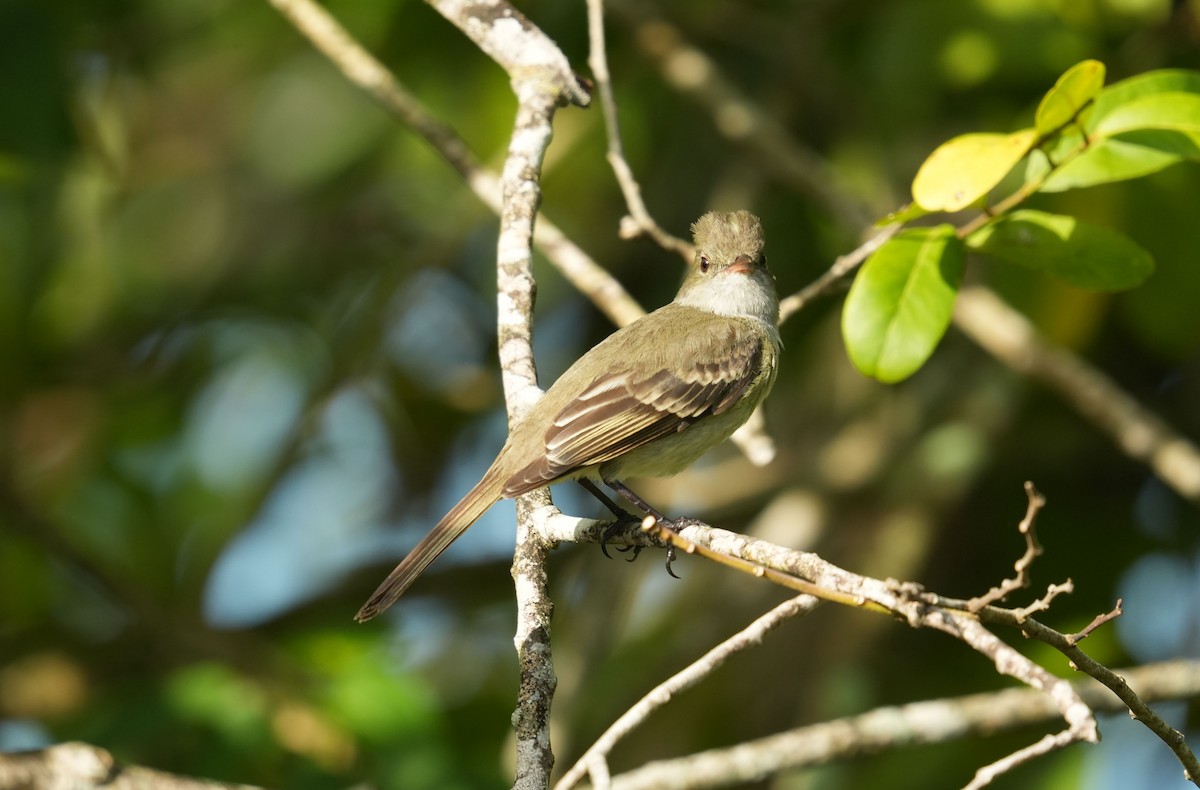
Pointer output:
x,y
453,524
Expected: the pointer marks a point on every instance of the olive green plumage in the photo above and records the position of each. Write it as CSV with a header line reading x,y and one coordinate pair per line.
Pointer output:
x,y
645,402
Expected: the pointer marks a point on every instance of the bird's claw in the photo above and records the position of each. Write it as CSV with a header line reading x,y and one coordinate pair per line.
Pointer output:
x,y
616,527
675,525
670,559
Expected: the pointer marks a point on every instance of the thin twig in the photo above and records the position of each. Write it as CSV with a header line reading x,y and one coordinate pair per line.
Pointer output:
x,y
927,722
1043,603
1033,550
1137,706
639,220
692,72
1097,621
843,266
1048,743
594,760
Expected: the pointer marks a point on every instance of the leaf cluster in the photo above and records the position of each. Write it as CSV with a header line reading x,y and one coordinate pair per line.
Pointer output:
x,y
1083,135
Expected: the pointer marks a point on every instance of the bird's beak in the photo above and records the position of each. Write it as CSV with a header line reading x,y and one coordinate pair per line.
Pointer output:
x,y
742,264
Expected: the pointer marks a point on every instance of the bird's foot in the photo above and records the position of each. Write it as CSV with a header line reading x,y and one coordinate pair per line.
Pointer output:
x,y
617,527
675,525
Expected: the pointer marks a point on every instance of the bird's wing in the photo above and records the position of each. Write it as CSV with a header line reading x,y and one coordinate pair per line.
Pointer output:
x,y
621,411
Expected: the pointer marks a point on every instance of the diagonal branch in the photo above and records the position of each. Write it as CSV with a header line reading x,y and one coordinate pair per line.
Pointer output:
x,y
926,722
1142,435
594,760
362,69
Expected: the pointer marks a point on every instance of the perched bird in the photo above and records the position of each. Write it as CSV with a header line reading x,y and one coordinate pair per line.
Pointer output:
x,y
646,401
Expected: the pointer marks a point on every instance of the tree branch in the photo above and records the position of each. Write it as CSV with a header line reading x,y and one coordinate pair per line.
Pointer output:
x,y
542,81
639,220
842,267
1142,435
808,573
364,70
595,760
926,722
82,766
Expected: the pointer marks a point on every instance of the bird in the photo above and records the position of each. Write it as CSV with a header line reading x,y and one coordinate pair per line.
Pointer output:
x,y
646,401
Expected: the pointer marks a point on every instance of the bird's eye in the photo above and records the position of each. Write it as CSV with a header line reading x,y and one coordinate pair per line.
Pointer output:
x,y
704,264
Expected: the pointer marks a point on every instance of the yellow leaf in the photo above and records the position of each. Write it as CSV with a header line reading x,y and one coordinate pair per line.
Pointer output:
x,y
1075,88
965,169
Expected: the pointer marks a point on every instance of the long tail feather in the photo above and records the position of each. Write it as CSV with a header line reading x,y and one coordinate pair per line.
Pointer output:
x,y
453,524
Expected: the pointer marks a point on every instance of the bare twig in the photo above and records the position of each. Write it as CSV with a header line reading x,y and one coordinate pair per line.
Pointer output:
x,y
1033,550
1136,705
1048,743
1043,603
1067,644
594,760
926,722
692,72
842,267
1097,621
639,220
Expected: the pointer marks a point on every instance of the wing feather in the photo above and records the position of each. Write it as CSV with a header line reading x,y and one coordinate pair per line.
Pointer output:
x,y
621,411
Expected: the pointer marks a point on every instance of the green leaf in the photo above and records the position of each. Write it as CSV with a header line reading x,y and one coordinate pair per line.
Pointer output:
x,y
1084,255
1148,84
1185,145
1175,110
1078,86
901,302
1137,127
964,169
1107,161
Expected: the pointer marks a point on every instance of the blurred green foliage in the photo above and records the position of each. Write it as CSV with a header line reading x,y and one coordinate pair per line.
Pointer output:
x,y
222,417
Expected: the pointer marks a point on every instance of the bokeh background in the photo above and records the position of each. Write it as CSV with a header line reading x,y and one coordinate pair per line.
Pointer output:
x,y
247,357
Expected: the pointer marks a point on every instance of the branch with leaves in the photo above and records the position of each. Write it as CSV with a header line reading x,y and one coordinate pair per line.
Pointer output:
x,y
1084,134
980,314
